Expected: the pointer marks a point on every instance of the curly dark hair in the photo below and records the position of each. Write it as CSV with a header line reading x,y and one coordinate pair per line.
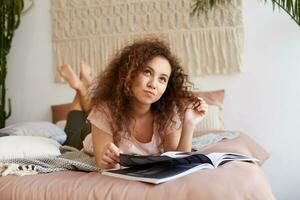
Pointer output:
x,y
113,86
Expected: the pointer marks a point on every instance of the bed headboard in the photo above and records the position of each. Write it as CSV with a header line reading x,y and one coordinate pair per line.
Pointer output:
x,y
60,112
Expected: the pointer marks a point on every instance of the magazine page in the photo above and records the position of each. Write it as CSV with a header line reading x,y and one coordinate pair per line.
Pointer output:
x,y
168,158
177,154
156,173
218,158
136,160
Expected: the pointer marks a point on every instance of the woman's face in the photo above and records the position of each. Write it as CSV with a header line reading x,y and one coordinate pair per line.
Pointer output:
x,y
152,81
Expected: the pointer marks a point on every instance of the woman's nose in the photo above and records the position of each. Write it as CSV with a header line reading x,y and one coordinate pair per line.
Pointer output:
x,y
152,84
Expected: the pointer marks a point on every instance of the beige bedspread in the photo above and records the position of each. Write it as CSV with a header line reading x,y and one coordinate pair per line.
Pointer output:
x,y
232,181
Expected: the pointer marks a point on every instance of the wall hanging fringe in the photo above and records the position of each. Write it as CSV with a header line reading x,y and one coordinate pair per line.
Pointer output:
x,y
92,30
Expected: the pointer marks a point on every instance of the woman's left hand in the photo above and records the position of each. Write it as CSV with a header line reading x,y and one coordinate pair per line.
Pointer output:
x,y
195,112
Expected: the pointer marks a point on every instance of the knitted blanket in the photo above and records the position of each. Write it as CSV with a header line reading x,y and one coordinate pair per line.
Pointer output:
x,y
70,159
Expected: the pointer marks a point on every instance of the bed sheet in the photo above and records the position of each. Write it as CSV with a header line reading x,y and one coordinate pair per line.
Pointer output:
x,y
234,180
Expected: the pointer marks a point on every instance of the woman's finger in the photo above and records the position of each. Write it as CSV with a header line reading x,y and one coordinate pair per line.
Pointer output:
x,y
201,107
108,159
201,110
109,165
114,151
113,155
103,162
205,106
199,102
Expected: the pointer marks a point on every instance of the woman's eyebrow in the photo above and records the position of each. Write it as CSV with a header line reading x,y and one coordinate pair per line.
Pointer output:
x,y
165,75
147,66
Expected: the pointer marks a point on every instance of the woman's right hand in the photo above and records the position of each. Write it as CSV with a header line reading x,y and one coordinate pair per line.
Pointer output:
x,y
110,155
105,151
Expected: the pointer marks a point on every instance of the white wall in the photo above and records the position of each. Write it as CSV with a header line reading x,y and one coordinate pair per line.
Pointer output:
x,y
263,101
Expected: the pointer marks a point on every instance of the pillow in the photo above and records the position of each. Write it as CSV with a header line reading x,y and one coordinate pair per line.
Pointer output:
x,y
27,147
61,124
214,119
39,128
211,138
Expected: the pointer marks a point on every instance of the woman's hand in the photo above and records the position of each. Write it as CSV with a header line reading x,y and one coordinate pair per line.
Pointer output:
x,y
181,140
110,156
195,112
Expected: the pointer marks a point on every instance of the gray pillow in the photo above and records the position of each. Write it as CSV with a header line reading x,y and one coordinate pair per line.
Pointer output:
x,y
37,128
211,138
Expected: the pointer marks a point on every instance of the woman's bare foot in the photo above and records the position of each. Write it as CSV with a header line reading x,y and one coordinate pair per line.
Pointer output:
x,y
69,75
85,73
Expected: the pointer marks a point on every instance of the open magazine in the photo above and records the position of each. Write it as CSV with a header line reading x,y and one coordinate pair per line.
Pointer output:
x,y
170,165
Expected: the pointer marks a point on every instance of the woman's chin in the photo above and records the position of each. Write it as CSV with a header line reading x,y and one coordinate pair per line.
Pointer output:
x,y
146,101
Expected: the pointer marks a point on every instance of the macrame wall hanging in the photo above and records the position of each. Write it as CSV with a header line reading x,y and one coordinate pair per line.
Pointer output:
x,y
92,30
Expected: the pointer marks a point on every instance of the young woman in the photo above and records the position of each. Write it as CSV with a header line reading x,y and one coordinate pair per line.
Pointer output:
x,y
141,105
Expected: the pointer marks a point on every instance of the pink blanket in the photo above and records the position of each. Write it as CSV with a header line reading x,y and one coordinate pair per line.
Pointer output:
x,y
234,181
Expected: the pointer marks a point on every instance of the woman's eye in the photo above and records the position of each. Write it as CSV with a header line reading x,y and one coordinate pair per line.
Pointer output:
x,y
163,79
147,72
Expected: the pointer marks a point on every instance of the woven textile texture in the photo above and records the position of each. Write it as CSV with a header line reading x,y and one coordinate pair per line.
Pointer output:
x,y
92,30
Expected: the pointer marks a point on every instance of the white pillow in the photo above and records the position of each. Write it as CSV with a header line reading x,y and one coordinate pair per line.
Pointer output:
x,y
38,128
61,124
27,147
211,121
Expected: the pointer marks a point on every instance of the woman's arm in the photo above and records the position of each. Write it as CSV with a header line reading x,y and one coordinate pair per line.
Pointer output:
x,y
181,140
105,151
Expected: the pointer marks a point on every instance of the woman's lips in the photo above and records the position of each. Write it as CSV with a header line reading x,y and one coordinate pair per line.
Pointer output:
x,y
149,93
